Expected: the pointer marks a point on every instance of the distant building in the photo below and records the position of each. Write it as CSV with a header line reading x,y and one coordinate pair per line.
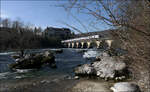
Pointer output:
x,y
63,33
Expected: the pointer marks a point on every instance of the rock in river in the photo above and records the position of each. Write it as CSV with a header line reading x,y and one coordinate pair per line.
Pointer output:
x,y
34,62
107,67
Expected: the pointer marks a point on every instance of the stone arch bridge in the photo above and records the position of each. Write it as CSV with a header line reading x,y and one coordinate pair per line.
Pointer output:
x,y
87,42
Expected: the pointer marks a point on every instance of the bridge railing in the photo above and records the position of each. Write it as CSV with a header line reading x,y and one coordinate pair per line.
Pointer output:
x,y
81,38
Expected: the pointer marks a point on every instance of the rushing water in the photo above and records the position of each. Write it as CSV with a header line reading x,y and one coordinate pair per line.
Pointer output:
x,y
5,59
65,62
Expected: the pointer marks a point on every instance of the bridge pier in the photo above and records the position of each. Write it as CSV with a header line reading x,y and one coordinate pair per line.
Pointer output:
x,y
69,45
109,42
77,44
88,44
82,44
73,45
98,44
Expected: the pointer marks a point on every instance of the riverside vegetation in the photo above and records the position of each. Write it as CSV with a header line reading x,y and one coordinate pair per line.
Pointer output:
x,y
16,35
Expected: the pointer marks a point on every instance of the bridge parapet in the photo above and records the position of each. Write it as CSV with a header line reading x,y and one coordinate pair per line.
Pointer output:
x,y
81,38
87,41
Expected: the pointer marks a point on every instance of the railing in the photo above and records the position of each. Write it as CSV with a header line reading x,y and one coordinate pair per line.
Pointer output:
x,y
82,38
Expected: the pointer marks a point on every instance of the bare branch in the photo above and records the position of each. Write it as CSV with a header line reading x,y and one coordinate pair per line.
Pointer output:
x,y
72,27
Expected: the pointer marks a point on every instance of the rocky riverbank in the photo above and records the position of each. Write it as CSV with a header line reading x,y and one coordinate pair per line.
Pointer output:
x,y
44,79
106,73
106,66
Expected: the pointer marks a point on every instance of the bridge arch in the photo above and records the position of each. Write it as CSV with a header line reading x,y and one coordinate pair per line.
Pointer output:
x,y
89,42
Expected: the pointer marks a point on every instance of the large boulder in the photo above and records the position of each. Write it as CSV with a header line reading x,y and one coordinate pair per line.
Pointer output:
x,y
125,87
107,67
50,59
35,61
29,63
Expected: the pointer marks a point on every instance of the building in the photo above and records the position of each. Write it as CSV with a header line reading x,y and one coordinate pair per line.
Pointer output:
x,y
63,33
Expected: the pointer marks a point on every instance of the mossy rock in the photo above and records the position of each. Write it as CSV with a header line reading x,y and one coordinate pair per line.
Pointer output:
x,y
34,62
46,59
49,60
26,64
30,63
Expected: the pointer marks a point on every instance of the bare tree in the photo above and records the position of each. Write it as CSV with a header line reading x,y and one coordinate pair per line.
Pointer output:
x,y
132,20
6,22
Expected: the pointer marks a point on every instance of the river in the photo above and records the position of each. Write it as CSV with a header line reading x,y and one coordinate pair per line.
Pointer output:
x,y
44,79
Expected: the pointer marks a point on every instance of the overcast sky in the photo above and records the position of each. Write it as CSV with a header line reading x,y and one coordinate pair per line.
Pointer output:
x,y
43,13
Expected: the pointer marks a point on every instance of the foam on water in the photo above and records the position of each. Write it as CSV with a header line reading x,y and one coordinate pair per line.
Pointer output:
x,y
7,53
91,54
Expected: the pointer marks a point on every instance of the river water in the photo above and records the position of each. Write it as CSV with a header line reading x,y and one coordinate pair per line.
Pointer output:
x,y
44,79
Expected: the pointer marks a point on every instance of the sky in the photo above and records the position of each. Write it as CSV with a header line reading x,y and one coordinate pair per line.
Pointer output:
x,y
44,13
